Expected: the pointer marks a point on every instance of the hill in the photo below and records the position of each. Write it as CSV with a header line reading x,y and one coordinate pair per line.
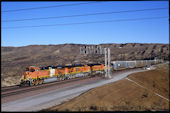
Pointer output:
x,y
125,95
15,59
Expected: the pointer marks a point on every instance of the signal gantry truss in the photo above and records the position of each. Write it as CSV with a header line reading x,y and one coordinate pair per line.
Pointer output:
x,y
99,50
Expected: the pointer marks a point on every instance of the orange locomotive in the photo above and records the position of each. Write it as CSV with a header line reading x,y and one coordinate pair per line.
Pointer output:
x,y
35,75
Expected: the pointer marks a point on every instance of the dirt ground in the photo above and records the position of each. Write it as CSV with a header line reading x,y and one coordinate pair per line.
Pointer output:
x,y
10,81
125,95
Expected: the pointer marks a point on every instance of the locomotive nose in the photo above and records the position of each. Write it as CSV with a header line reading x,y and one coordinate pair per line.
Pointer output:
x,y
24,75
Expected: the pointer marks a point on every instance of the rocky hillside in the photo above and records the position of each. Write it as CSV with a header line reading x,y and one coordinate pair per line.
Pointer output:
x,y
15,59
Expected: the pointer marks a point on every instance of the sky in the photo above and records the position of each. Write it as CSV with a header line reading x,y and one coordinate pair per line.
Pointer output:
x,y
136,31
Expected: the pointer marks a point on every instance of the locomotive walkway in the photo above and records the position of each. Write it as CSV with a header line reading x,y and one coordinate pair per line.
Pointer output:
x,y
55,97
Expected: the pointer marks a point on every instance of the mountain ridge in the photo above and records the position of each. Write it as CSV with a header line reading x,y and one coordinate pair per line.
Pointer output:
x,y
15,59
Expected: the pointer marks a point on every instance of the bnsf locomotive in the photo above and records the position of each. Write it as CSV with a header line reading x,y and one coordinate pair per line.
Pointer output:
x,y
35,75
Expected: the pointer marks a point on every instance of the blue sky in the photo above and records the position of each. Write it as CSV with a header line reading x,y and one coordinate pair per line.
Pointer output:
x,y
140,31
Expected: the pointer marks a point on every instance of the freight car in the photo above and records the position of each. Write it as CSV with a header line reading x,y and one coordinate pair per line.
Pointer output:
x,y
120,65
35,75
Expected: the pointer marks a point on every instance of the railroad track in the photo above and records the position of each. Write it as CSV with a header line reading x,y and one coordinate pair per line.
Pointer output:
x,y
4,89
14,90
32,88
11,88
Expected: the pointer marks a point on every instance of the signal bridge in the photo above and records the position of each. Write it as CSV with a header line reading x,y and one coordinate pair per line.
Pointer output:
x,y
99,50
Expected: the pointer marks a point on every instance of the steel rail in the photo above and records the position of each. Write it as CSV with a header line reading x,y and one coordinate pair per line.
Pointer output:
x,y
41,86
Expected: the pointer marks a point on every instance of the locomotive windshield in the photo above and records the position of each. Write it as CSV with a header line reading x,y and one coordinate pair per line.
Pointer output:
x,y
32,70
27,69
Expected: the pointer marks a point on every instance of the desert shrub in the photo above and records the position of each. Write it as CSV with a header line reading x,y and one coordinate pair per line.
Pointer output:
x,y
154,84
93,107
145,95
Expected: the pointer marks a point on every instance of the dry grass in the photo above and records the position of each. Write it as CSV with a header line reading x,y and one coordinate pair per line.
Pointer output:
x,y
10,81
124,95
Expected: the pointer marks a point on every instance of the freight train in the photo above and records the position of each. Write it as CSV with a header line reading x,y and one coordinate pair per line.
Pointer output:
x,y
36,75
120,65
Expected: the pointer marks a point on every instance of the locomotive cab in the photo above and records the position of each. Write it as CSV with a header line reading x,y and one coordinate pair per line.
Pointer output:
x,y
26,75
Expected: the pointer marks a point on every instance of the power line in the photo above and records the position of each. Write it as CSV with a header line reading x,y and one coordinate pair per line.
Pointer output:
x,y
85,22
90,14
15,10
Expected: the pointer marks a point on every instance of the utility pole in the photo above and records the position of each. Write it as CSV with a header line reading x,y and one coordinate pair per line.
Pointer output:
x,y
105,55
109,63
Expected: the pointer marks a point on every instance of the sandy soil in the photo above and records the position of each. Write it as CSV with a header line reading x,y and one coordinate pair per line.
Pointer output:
x,y
125,95
10,81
